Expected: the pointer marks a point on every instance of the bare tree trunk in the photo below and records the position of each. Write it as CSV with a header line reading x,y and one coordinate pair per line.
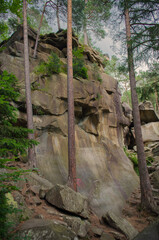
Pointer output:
x,y
57,15
72,182
85,29
38,33
31,151
147,200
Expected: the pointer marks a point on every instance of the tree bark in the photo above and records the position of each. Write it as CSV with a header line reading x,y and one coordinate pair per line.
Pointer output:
x,y
31,151
57,16
38,33
147,200
72,182
85,29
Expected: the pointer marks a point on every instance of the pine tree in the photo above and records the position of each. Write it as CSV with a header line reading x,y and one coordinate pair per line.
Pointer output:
x,y
147,200
72,182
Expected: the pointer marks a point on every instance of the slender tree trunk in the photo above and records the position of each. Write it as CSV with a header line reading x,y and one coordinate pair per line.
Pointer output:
x,y
85,29
31,151
72,182
147,200
57,16
38,33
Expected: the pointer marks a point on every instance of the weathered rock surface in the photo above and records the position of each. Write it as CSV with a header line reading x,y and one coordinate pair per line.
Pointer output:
x,y
65,198
149,233
120,224
150,132
147,112
102,168
79,226
106,236
40,229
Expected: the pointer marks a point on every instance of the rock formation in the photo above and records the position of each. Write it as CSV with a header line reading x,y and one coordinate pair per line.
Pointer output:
x,y
104,174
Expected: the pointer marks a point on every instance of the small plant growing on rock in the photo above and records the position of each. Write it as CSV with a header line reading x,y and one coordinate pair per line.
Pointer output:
x,y
79,69
97,75
133,158
53,65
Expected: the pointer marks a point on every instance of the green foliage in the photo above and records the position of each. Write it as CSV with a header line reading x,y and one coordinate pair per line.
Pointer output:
x,y
133,158
34,16
99,96
53,65
79,70
13,142
91,15
149,160
148,85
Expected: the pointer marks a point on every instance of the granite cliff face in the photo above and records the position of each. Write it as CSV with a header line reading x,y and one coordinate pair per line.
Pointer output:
x,y
105,175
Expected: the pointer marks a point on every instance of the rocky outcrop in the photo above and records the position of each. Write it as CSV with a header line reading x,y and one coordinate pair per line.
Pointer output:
x,y
151,232
104,173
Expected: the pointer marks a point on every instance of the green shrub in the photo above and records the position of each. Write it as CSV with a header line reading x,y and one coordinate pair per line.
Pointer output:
x,y
149,160
79,69
53,65
133,158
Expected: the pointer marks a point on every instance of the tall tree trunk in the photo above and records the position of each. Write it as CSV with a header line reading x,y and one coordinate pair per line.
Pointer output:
x,y
85,29
57,16
72,182
147,200
38,33
31,151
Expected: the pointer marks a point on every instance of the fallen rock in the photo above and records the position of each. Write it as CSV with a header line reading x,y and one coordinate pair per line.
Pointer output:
x,y
80,227
40,229
97,231
65,198
120,224
150,132
149,233
147,112
106,236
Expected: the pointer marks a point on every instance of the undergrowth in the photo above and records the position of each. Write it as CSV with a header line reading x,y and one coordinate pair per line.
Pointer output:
x,y
53,65
79,69
133,157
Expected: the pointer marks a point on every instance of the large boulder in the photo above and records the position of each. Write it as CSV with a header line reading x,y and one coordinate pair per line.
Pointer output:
x,y
65,198
40,229
120,224
147,112
150,132
149,233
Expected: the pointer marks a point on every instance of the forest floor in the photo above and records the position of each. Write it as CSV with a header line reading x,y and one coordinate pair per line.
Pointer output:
x,y
132,212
